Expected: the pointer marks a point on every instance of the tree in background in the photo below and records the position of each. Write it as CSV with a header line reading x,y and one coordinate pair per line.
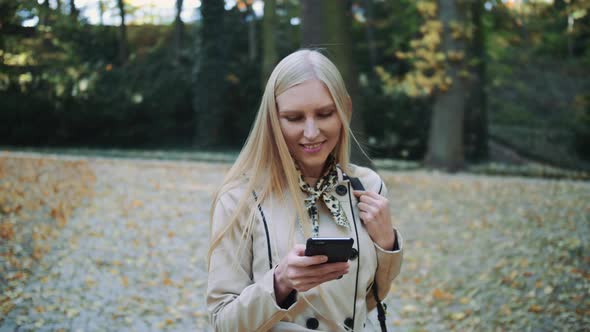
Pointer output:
x,y
51,70
311,24
476,118
178,28
252,37
270,55
44,12
370,33
445,141
123,48
101,12
73,10
210,76
439,71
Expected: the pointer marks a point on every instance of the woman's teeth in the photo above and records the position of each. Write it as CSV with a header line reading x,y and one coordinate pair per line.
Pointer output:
x,y
312,146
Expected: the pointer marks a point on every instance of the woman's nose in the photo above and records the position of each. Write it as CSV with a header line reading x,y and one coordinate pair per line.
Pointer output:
x,y
311,129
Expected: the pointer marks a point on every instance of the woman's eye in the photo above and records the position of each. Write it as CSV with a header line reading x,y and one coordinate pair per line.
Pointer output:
x,y
293,118
326,114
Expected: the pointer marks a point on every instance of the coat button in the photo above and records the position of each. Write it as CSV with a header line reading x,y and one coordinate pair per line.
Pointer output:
x,y
312,323
341,190
348,322
354,254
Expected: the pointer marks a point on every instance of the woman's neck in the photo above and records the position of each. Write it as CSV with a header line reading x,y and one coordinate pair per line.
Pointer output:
x,y
311,180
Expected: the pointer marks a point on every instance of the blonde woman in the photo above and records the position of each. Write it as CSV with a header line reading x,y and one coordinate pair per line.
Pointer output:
x,y
291,181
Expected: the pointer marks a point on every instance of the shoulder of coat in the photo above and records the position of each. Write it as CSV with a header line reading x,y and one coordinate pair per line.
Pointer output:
x,y
369,178
232,193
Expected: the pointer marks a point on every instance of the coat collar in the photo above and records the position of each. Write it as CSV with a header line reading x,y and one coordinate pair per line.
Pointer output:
x,y
342,177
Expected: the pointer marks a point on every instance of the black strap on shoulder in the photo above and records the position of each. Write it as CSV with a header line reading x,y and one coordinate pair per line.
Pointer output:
x,y
265,230
358,185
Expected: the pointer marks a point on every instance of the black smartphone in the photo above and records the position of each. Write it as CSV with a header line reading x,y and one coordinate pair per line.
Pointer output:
x,y
338,249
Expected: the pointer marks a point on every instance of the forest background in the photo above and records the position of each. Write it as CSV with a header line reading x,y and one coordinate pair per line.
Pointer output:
x,y
445,84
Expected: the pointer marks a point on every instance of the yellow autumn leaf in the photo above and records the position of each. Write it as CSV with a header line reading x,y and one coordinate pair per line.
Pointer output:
x,y
168,282
6,231
458,316
71,313
441,295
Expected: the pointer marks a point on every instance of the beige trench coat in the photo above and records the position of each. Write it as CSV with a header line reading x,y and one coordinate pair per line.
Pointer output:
x,y
240,291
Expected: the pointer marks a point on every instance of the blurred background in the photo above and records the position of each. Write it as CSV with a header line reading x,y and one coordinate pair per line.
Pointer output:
x,y
446,85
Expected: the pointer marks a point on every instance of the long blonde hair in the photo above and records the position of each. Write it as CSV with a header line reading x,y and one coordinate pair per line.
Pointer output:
x,y
265,164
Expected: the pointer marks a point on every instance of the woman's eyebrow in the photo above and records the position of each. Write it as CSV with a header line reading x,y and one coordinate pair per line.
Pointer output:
x,y
323,108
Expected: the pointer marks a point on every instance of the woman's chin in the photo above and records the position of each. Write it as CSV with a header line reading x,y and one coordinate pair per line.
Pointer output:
x,y
312,166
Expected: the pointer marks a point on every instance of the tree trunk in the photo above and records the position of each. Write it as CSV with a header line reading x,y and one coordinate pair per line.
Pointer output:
x,y
311,23
101,10
445,143
370,35
210,77
123,50
45,12
73,10
252,44
178,28
269,43
476,120
581,36
336,35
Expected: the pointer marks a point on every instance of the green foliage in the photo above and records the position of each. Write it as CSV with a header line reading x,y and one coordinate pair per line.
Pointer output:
x,y
70,90
554,146
142,111
81,42
61,83
397,126
537,70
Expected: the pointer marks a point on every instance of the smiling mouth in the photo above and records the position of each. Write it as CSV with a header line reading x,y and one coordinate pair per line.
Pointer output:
x,y
312,146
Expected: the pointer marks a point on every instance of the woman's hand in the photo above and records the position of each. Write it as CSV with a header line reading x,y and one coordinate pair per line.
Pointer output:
x,y
374,211
301,273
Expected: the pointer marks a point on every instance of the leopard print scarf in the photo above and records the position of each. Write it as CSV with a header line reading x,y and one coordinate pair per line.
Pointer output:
x,y
322,189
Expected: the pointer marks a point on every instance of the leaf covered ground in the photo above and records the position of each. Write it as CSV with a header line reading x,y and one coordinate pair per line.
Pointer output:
x,y
104,244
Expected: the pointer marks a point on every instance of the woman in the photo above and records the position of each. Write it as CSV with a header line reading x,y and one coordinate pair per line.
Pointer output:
x,y
291,181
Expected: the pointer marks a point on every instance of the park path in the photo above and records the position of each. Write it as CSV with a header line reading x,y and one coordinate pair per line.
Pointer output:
x,y
133,259
481,253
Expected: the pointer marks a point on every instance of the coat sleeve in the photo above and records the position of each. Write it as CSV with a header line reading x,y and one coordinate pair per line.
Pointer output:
x,y
235,302
389,263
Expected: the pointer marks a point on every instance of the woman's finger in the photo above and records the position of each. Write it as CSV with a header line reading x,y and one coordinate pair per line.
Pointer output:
x,y
307,284
364,207
360,193
297,257
366,217
306,261
321,278
319,270
372,200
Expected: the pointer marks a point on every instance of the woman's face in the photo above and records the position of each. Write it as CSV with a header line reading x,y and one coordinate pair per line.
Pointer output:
x,y
310,124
